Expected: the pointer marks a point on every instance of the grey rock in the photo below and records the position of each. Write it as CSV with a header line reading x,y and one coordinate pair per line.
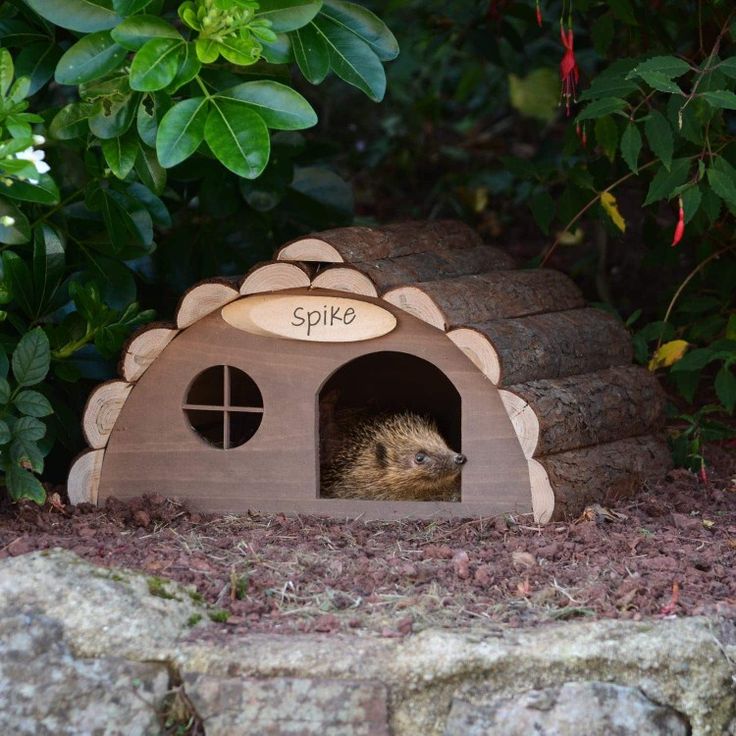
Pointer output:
x,y
288,706
573,709
46,691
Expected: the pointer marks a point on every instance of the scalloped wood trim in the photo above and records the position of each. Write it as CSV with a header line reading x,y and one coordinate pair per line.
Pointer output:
x,y
274,277
143,349
543,497
102,410
84,477
199,301
309,249
480,351
413,300
345,279
524,420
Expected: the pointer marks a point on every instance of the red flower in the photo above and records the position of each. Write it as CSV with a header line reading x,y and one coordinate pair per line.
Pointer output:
x,y
539,15
569,72
680,227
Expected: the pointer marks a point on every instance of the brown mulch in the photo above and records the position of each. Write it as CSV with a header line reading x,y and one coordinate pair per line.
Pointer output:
x,y
669,552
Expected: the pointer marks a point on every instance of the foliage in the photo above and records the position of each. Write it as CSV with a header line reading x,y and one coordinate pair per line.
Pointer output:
x,y
146,144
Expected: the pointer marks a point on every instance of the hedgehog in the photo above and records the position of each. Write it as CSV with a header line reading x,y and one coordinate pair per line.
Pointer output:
x,y
396,457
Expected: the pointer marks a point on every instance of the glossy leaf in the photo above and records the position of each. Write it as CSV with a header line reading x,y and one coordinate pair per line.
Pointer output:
x,y
44,192
7,71
367,26
31,360
281,107
16,232
37,61
92,57
288,15
135,31
631,146
71,121
18,278
83,16
112,116
238,137
151,109
120,153
352,59
49,260
149,170
181,131
278,52
23,484
311,54
128,7
156,63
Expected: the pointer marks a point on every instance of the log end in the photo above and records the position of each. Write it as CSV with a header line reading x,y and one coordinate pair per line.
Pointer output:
x,y
84,477
345,279
309,250
143,349
274,277
543,497
480,351
102,410
416,302
202,299
524,421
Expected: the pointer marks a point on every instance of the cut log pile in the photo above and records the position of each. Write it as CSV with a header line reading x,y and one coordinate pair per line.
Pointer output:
x,y
589,422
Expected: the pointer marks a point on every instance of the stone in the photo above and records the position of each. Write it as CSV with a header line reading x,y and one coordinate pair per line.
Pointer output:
x,y
282,705
572,709
46,691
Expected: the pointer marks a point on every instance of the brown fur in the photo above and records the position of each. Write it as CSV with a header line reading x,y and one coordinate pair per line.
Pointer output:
x,y
377,460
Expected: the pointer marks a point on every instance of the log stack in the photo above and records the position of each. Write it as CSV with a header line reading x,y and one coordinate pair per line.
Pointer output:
x,y
589,422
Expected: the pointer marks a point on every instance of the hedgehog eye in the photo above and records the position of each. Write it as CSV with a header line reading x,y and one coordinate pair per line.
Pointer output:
x,y
420,457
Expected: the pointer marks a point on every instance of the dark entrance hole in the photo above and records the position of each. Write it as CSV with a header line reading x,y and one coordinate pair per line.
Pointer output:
x,y
386,383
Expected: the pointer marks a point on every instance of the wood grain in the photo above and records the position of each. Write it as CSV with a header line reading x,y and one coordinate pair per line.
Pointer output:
x,y
84,477
102,410
274,277
341,278
143,348
203,299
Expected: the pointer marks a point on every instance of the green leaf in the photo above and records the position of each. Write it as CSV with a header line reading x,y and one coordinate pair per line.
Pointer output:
x,y
660,82
281,107
150,110
537,95
728,67
71,121
720,99
352,59
21,483
5,435
27,454
722,184
325,187
32,404
133,32
367,26
207,50
83,16
631,146
599,108
726,388
128,7
18,277
149,170
156,208
238,137
189,66
243,50
7,71
120,153
278,52
310,52
665,182
288,15
92,57
659,137
667,66
49,261
37,61
606,134
691,199
156,63
4,393
19,231
31,359
112,116
181,131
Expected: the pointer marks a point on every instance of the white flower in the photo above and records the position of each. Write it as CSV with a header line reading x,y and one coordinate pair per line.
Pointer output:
x,y
7,220
36,158
38,140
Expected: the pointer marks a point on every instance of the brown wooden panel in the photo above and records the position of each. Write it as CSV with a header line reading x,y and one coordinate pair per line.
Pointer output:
x,y
153,449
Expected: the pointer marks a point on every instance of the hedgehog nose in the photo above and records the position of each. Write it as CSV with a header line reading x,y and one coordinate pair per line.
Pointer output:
x,y
460,459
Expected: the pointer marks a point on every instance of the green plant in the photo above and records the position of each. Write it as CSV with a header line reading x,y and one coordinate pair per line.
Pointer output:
x,y
145,144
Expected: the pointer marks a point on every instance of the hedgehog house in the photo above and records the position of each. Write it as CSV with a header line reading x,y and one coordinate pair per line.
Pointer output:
x,y
229,408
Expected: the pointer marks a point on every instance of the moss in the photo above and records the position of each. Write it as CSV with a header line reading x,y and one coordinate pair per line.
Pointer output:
x,y
194,619
157,587
219,616
195,596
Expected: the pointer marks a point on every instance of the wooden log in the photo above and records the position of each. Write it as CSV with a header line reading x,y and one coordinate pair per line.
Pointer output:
x,y
84,477
102,410
551,345
465,300
204,298
554,415
274,277
365,244
601,474
388,273
143,348
343,278
543,497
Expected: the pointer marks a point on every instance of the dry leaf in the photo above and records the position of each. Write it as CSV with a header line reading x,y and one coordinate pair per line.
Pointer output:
x,y
610,205
708,523
523,559
668,354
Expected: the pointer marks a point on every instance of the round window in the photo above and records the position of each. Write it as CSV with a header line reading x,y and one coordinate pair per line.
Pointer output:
x,y
224,406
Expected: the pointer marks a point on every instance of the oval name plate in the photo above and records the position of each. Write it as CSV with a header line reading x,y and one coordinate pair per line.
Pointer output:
x,y
306,317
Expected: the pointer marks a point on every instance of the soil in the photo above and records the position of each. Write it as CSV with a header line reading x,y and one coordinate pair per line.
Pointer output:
x,y
671,551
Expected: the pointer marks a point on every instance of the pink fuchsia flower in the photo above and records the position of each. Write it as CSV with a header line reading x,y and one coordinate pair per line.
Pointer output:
x,y
680,227
539,15
569,72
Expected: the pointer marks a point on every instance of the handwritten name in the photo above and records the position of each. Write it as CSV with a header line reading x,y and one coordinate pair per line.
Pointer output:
x,y
325,317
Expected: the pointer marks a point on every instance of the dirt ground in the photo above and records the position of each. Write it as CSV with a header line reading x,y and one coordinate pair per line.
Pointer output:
x,y
671,551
